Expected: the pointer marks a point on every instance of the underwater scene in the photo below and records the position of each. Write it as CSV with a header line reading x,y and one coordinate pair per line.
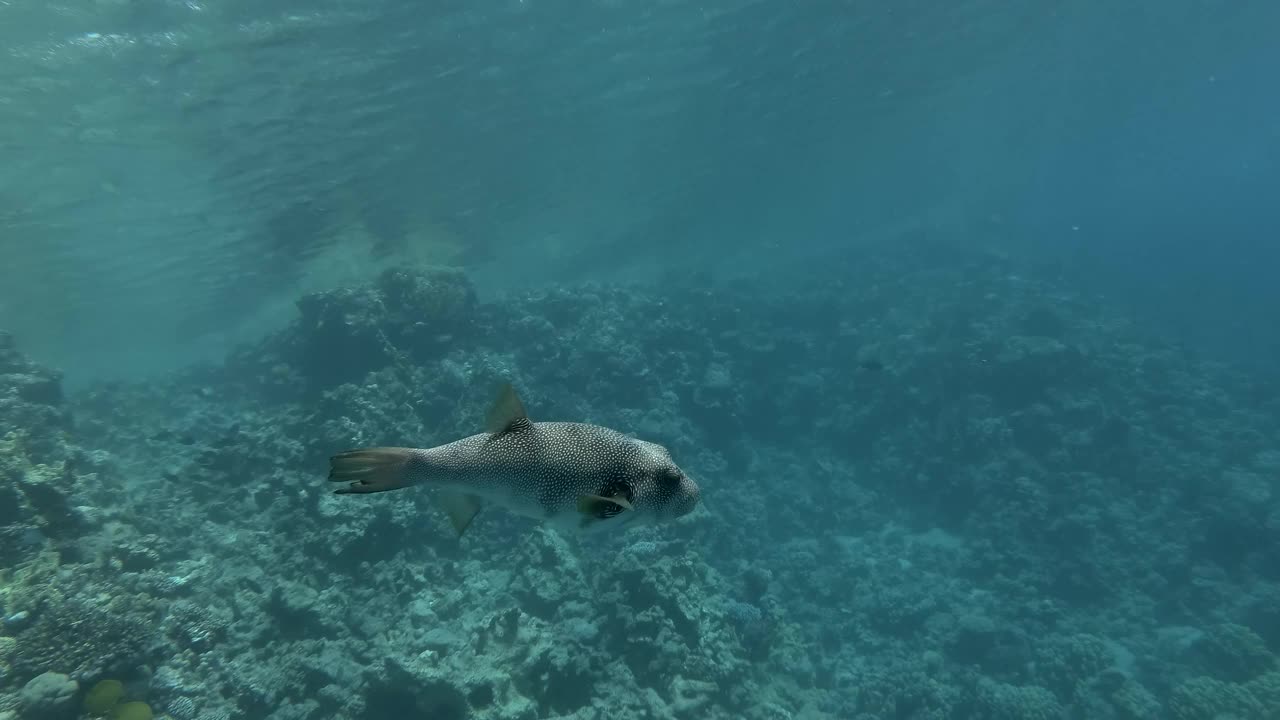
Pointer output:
x,y
639,360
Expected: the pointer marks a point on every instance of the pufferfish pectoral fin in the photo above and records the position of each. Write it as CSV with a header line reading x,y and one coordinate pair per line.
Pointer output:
x,y
507,412
602,508
460,507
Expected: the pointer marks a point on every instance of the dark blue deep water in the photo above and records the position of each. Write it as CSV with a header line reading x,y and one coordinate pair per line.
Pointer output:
x,y
963,316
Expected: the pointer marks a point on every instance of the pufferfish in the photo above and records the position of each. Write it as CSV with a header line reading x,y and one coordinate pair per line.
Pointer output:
x,y
570,475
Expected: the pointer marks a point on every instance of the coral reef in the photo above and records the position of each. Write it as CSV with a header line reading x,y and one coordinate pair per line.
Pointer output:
x,y
933,490
48,696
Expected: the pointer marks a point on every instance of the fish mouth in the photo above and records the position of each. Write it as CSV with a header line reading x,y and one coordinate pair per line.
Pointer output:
x,y
686,501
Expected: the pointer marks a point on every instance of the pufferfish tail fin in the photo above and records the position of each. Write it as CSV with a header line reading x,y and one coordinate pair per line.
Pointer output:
x,y
371,470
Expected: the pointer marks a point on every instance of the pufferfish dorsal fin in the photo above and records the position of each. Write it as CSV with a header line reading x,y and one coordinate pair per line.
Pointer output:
x,y
507,413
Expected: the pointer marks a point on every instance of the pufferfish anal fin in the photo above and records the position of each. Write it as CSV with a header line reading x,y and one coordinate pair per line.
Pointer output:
x,y
507,413
460,507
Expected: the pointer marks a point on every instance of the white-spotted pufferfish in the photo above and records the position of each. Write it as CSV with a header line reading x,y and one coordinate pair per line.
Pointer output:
x,y
571,475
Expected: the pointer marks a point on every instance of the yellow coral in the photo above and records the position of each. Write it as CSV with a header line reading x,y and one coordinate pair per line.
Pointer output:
x,y
103,697
136,710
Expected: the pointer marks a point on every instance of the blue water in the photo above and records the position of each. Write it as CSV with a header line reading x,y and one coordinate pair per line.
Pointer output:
x,y
965,314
